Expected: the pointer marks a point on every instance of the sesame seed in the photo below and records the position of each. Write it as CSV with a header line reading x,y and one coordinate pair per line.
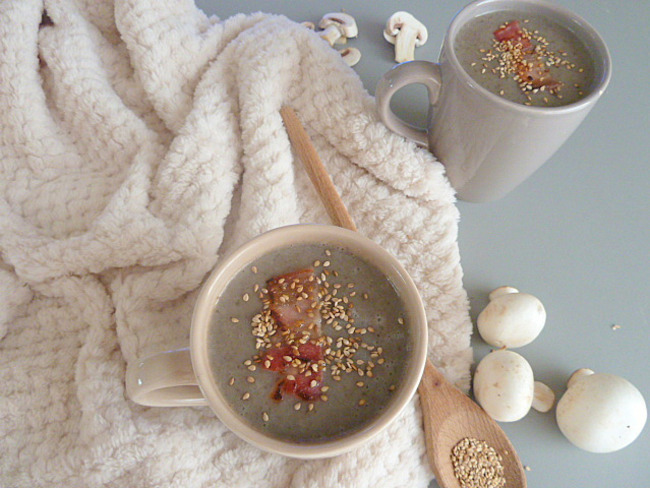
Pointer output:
x,y
250,379
246,396
232,381
234,320
265,416
297,406
245,297
254,269
362,402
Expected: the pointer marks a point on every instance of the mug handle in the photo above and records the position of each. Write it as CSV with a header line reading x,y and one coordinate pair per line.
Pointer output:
x,y
165,379
404,74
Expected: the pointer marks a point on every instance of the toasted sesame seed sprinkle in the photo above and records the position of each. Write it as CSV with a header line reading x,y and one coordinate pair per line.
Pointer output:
x,y
265,416
234,320
246,396
250,379
254,269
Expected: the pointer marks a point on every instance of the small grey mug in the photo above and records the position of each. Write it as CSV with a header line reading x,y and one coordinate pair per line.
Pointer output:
x,y
489,144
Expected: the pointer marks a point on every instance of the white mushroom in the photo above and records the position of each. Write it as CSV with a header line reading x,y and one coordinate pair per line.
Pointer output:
x,y
504,386
338,27
351,55
406,32
511,319
601,412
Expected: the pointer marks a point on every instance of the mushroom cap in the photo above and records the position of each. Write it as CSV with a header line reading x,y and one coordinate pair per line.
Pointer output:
x,y
345,22
511,320
398,20
601,412
504,385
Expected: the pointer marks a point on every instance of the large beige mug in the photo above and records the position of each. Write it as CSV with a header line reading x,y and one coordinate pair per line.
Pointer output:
x,y
489,144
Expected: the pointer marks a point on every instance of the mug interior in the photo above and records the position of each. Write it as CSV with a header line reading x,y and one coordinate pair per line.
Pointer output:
x,y
574,23
281,238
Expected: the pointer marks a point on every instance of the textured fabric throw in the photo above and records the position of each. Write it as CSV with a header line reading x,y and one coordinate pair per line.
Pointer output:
x,y
140,142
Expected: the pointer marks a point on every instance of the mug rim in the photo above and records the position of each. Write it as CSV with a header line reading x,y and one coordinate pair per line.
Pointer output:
x,y
603,64
238,260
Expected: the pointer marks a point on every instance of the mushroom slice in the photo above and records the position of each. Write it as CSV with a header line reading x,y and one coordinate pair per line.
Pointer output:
x,y
338,27
351,55
406,32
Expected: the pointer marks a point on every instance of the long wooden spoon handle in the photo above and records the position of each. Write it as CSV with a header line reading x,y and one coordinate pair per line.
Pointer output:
x,y
321,180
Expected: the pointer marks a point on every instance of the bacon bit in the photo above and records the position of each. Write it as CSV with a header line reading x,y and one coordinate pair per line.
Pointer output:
x,y
294,304
532,72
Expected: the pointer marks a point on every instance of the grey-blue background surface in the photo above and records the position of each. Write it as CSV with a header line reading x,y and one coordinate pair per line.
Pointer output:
x,y
576,234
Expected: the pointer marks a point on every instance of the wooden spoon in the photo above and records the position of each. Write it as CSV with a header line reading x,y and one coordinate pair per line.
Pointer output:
x,y
449,415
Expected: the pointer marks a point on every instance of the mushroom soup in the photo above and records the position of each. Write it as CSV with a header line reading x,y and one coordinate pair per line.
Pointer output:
x,y
525,58
321,380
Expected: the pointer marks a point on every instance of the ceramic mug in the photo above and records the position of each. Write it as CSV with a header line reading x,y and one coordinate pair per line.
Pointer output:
x,y
488,144
184,377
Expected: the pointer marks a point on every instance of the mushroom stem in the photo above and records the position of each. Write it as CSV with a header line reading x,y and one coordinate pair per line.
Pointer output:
x,y
502,290
331,34
405,45
543,397
578,374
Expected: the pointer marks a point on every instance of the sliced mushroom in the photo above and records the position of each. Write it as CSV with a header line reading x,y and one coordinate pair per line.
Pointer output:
x,y
351,55
406,32
338,27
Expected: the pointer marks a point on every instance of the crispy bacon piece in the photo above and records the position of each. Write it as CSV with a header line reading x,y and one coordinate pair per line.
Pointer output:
x,y
294,300
537,75
510,31
530,68
294,305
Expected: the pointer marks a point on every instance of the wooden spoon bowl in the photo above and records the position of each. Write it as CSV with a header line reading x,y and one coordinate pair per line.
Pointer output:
x,y
449,415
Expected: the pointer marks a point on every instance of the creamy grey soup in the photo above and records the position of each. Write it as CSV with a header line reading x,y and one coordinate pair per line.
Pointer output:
x,y
369,341
498,66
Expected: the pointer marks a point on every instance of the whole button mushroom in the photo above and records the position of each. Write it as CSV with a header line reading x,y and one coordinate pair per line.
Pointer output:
x,y
511,318
601,412
504,386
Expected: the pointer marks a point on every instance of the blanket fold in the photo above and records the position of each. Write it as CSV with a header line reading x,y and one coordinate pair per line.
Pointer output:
x,y
140,142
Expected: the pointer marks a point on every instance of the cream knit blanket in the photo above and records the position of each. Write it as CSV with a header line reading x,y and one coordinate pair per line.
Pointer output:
x,y
140,141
